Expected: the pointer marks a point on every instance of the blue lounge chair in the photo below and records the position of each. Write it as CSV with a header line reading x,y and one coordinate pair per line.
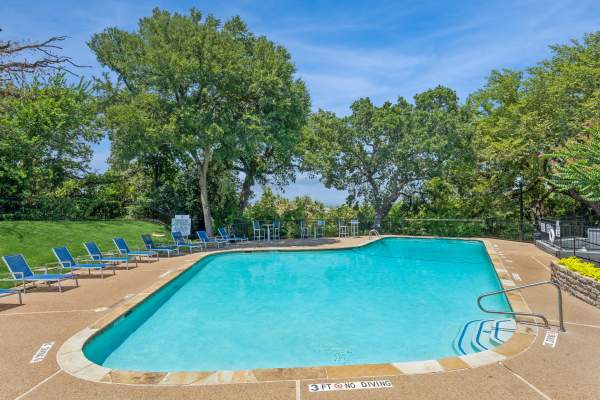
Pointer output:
x,y
124,250
180,242
206,240
159,248
230,238
108,258
20,271
66,260
7,292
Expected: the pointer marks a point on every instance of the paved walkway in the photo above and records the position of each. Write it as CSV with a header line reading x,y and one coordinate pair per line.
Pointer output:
x,y
569,371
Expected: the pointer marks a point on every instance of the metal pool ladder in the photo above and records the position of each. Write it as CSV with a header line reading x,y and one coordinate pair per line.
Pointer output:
x,y
535,315
373,233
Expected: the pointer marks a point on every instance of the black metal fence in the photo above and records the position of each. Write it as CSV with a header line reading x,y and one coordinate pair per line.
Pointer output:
x,y
569,237
451,227
447,227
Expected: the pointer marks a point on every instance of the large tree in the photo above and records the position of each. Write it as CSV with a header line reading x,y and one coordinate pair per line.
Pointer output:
x,y
45,133
277,107
370,153
379,154
519,116
197,81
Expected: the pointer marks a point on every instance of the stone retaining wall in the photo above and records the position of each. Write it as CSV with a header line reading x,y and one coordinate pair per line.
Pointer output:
x,y
582,287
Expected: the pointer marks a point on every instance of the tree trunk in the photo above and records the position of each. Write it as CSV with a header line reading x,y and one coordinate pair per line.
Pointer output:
x,y
246,190
203,183
378,218
381,211
155,174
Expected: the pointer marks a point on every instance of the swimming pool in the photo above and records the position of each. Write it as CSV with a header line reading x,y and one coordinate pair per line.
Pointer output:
x,y
394,300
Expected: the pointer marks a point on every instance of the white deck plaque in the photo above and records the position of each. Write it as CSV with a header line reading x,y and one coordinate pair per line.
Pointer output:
x,y
357,385
41,353
550,339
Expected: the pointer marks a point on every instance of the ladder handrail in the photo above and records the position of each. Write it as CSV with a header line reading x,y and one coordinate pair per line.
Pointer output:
x,y
374,232
535,315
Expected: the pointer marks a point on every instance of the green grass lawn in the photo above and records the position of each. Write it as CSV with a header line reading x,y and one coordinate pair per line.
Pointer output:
x,y
34,239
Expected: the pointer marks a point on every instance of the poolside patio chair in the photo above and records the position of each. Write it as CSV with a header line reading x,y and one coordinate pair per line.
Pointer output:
x,y
8,292
21,272
320,228
234,236
303,230
230,238
66,260
136,254
109,258
181,242
276,230
159,248
259,233
206,240
342,229
354,227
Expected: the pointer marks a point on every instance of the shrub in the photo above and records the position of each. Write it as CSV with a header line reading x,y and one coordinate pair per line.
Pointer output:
x,y
576,264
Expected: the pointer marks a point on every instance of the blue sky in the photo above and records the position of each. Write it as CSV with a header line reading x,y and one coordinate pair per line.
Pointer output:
x,y
344,50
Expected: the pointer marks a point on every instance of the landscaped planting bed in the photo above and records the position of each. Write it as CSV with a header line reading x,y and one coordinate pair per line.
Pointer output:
x,y
569,274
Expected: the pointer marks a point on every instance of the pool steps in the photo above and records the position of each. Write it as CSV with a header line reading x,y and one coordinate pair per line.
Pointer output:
x,y
483,334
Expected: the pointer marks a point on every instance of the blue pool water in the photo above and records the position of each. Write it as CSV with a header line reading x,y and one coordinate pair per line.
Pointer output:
x,y
393,300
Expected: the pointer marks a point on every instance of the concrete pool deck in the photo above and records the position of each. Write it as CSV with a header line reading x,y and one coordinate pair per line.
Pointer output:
x,y
568,371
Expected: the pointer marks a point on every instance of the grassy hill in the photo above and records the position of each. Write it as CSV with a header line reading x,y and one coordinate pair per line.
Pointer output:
x,y
34,239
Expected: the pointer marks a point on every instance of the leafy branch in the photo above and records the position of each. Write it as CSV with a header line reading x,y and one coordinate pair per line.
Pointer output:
x,y
576,167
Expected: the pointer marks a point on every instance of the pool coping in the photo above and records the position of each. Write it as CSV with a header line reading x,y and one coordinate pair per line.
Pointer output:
x,y
72,360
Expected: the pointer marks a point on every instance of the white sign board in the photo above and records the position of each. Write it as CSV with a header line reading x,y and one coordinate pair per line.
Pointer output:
x,y
557,228
550,339
358,385
182,223
41,353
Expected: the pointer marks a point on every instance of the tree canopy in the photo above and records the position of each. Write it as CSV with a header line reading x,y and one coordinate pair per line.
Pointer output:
x,y
210,91
576,168
381,153
45,133
199,111
521,115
